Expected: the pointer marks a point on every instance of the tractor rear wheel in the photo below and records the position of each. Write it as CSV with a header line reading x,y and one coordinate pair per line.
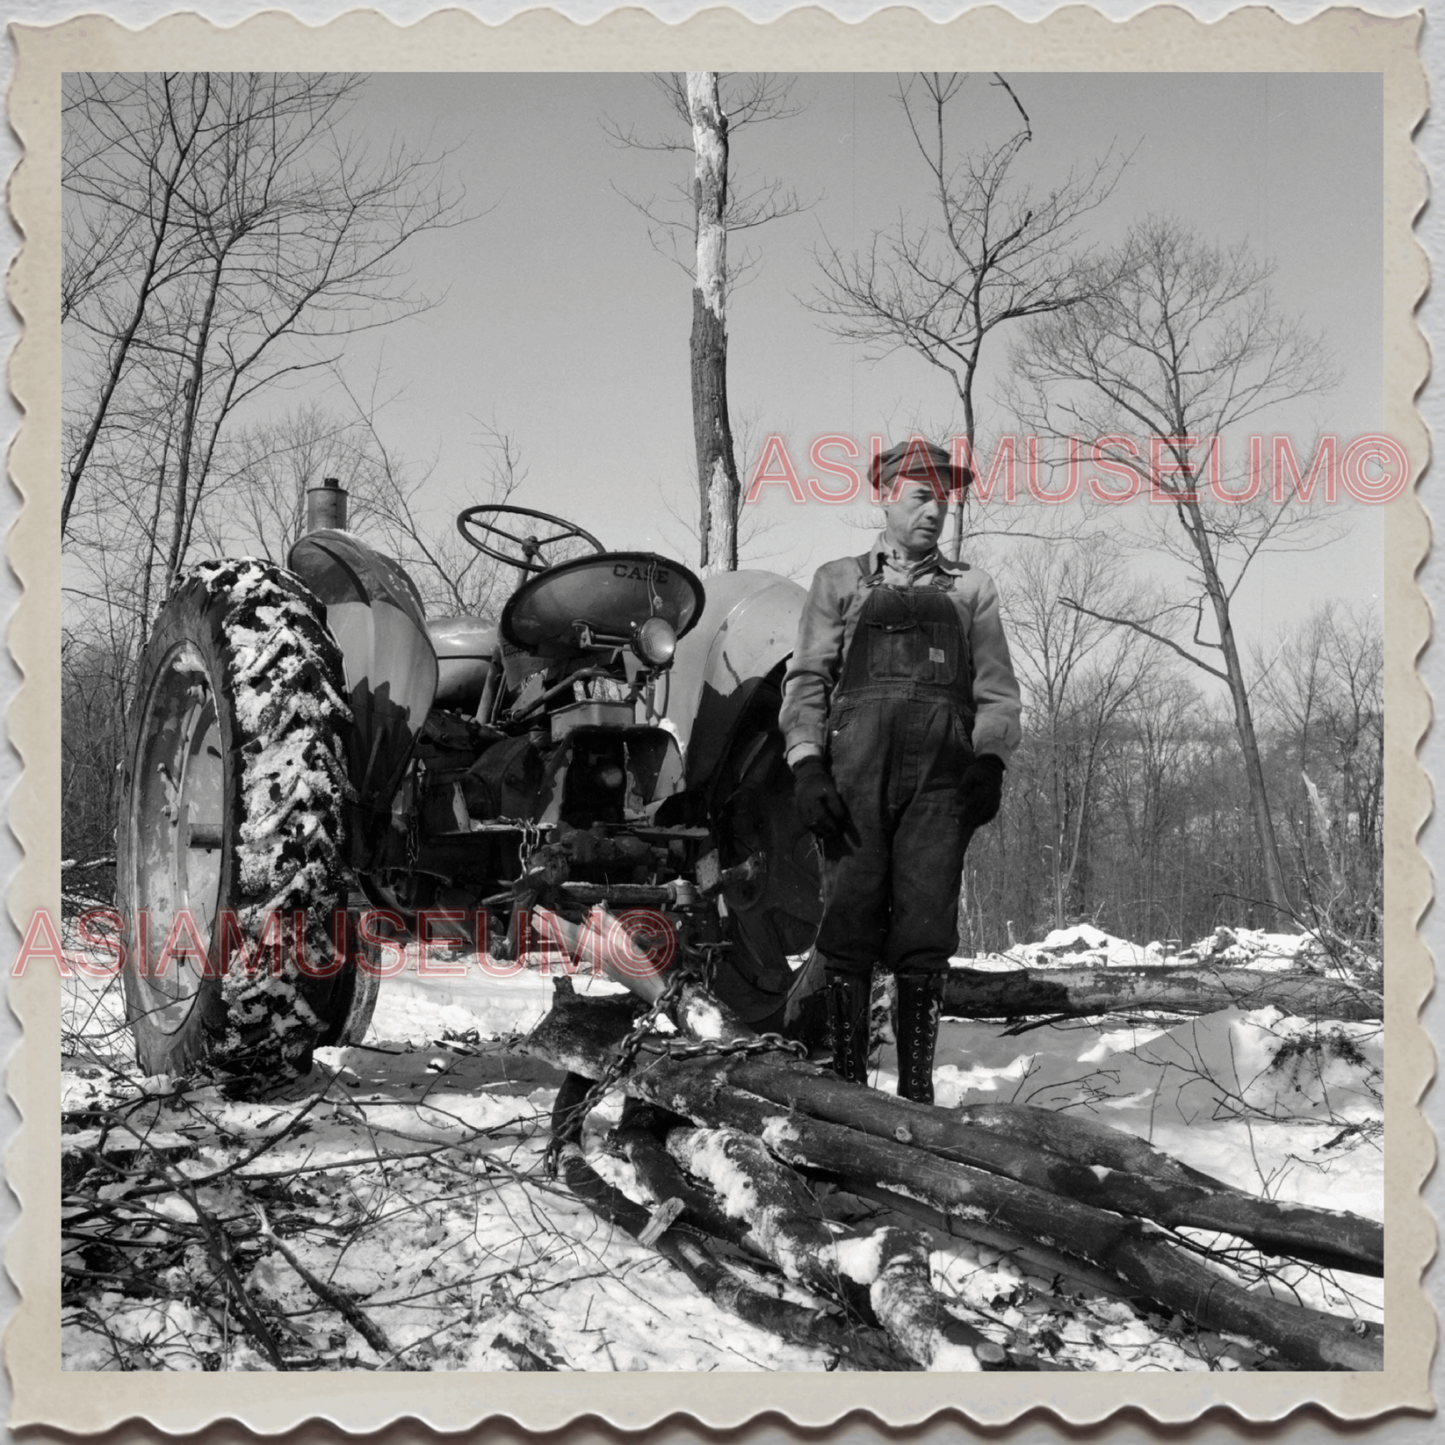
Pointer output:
x,y
231,842
358,987
773,920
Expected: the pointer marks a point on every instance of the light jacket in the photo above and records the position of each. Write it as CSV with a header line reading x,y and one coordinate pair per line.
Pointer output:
x,y
830,617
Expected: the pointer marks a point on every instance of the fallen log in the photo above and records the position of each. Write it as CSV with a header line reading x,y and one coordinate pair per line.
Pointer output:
x,y
857,1347
1136,1250
1133,1250
1075,1158
1082,1139
644,1136
1052,1161
1048,1263
1084,1160
751,1199
972,993
641,1134
783,1217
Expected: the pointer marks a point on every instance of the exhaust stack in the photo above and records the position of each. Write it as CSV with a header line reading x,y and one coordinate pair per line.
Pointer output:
x,y
326,506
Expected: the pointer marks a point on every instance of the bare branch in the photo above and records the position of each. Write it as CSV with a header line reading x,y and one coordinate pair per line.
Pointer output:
x,y
1147,632
988,253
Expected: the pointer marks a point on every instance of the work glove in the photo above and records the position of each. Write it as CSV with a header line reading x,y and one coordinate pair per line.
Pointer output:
x,y
820,806
981,790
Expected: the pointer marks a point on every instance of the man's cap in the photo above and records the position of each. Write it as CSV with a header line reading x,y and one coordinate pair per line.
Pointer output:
x,y
922,461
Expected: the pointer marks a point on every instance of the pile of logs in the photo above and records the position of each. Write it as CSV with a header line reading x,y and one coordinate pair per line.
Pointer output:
x,y
726,1137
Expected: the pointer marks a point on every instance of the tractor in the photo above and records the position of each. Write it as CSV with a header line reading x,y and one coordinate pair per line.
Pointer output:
x,y
317,770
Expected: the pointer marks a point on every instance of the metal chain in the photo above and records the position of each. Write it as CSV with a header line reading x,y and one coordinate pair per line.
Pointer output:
x,y
413,839
626,1056
637,1042
702,1048
709,952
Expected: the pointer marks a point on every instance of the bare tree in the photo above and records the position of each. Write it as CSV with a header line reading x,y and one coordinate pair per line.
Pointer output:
x,y
451,575
94,689
1180,343
258,234
120,245
750,202
1078,683
1322,688
258,505
1146,795
717,208
988,251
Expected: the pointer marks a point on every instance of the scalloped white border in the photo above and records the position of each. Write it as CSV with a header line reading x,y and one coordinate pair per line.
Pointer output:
x,y
1076,38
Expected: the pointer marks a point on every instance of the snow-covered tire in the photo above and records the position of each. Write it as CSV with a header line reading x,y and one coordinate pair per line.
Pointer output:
x,y
235,812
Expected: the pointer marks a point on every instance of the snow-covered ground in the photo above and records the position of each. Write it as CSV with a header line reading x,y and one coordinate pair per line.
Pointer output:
x,y
407,1175
1084,946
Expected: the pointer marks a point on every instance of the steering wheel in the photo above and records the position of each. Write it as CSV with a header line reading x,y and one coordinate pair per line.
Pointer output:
x,y
529,555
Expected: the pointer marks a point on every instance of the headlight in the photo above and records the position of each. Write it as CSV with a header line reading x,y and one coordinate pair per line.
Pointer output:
x,y
655,641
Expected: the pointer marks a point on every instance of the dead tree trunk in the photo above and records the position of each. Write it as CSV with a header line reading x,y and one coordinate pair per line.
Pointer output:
x,y
1200,533
717,470
1050,1263
1085,992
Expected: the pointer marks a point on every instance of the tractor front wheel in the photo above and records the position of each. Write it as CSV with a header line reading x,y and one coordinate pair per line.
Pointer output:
x,y
232,835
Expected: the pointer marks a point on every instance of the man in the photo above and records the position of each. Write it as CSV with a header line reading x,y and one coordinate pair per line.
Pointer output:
x,y
900,711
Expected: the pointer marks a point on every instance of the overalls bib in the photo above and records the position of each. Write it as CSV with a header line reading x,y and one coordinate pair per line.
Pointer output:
x,y
909,642
899,738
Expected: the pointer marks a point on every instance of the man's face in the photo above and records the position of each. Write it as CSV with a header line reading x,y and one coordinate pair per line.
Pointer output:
x,y
915,519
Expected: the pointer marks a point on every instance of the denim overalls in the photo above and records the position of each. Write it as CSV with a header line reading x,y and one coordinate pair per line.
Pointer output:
x,y
899,738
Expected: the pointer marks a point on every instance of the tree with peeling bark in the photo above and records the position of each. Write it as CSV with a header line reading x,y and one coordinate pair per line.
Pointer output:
x,y
755,527
717,468
712,107
989,251
1178,344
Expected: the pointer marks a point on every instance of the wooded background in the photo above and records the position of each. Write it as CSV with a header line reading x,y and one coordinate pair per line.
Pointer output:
x,y
229,237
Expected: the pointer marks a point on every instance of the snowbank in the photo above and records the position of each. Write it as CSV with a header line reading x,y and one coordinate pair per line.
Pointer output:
x,y
1084,946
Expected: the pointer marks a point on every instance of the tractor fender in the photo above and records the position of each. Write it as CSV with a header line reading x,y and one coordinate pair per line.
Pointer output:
x,y
747,631
375,614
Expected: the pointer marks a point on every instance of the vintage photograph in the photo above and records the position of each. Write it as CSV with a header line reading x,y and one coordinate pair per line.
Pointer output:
x,y
722,721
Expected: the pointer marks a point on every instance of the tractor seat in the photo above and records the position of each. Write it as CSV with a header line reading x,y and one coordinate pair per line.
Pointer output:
x,y
466,649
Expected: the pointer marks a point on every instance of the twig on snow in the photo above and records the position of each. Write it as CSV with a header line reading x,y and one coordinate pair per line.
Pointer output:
x,y
346,1307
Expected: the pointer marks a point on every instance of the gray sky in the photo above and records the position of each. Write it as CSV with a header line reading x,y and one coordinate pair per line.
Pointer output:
x,y
563,327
